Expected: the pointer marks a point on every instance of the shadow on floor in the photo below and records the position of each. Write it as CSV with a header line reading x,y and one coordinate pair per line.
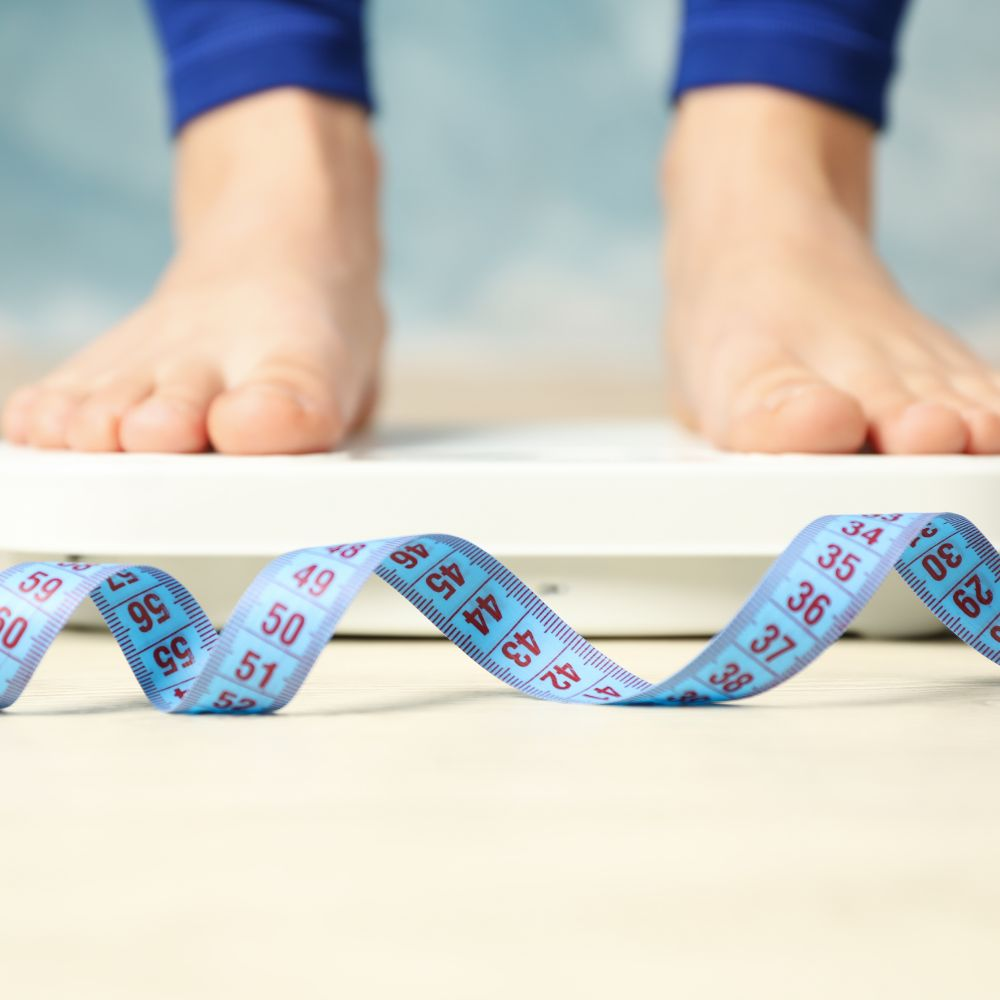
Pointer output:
x,y
407,704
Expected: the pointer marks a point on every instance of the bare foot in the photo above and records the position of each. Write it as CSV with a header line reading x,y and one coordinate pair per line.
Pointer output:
x,y
264,334
785,332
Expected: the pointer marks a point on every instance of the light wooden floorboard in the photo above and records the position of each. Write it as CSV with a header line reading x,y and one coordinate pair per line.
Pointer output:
x,y
410,828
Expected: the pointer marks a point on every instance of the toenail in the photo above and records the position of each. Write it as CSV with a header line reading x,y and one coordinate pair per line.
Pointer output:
x,y
164,407
266,390
282,390
778,397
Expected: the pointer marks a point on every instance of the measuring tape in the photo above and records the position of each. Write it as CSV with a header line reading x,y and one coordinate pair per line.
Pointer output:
x,y
803,603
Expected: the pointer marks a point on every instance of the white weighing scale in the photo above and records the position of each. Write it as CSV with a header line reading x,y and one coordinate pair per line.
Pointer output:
x,y
626,529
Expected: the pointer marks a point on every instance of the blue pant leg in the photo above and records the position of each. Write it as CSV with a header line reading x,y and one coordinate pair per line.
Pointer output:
x,y
838,51
220,50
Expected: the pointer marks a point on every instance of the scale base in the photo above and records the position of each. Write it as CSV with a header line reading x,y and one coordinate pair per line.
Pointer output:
x,y
633,528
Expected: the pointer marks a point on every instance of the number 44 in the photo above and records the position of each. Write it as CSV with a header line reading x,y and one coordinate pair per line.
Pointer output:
x,y
477,617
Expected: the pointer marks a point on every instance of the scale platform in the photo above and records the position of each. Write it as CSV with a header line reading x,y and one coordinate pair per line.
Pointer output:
x,y
627,529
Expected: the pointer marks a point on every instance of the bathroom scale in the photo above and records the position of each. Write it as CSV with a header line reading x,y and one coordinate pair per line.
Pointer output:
x,y
626,529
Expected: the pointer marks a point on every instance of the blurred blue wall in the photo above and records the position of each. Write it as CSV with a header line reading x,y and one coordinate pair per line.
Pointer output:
x,y
521,139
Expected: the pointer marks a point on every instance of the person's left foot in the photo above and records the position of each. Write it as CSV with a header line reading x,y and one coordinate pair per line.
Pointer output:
x,y
785,332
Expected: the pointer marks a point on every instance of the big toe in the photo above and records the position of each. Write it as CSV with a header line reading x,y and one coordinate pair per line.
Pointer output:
x,y
802,414
275,417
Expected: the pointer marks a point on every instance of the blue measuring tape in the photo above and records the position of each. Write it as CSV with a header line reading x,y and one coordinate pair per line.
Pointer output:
x,y
803,603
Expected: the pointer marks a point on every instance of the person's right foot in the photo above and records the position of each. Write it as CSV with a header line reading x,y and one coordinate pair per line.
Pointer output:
x,y
265,333
785,332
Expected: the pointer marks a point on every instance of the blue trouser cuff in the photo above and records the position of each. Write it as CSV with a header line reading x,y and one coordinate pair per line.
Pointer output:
x,y
217,52
797,47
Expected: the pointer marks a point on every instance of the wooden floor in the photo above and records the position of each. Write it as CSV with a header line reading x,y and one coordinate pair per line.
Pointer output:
x,y
410,828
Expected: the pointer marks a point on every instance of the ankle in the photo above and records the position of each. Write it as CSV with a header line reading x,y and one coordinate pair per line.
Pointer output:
x,y
284,162
735,146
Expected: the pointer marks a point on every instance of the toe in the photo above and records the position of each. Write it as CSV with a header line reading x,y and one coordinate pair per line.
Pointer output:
x,y
910,415
983,426
977,398
17,414
908,426
274,416
965,395
51,415
173,418
97,420
785,407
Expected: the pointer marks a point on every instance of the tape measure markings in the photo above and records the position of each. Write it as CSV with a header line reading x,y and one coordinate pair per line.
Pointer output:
x,y
280,625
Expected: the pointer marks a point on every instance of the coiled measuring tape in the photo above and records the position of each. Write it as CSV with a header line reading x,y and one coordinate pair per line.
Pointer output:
x,y
802,604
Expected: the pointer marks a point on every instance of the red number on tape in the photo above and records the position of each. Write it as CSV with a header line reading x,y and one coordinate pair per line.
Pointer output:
x,y
172,655
525,639
410,555
972,604
40,585
147,612
857,528
928,532
346,551
763,643
318,586
812,611
606,693
561,678
731,679
121,579
484,606
842,563
249,665
938,562
229,699
438,581
11,629
287,630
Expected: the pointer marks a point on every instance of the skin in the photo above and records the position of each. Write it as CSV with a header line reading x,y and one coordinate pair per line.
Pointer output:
x,y
265,332
784,330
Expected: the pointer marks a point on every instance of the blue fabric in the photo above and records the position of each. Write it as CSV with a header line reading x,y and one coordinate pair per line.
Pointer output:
x,y
219,50
838,51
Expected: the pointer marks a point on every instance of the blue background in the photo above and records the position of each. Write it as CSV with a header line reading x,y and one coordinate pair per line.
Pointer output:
x,y
521,141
